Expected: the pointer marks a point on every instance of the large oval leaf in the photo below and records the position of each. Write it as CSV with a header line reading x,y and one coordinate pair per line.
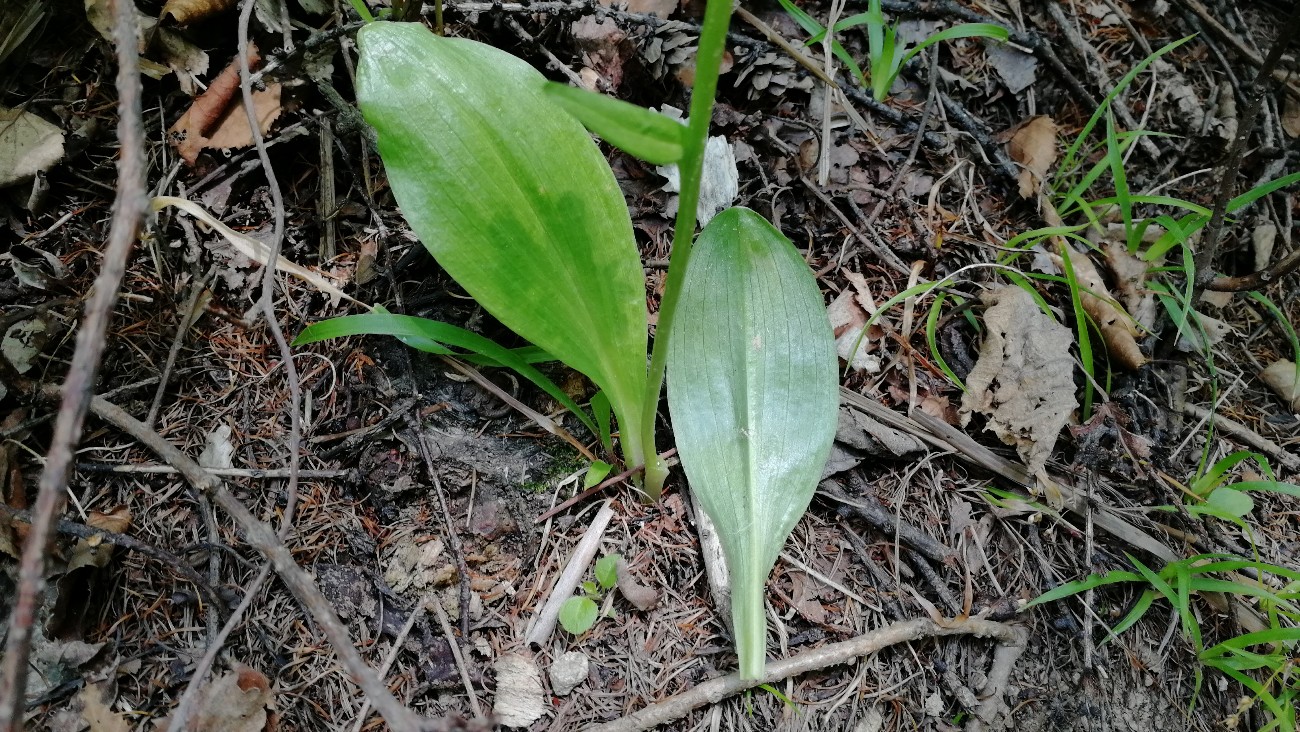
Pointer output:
x,y
513,198
754,395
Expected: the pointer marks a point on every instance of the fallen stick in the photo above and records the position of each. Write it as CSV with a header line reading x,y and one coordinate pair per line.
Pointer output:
x,y
1013,640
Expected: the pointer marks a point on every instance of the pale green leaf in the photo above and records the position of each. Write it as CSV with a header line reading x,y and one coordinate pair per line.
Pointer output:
x,y
753,392
607,570
1232,502
578,614
635,130
514,199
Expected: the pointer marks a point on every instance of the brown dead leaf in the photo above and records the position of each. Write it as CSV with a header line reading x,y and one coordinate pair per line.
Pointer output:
x,y
94,551
1130,282
1291,116
216,119
1033,145
1023,380
642,597
185,12
1281,378
1118,329
238,701
848,314
97,712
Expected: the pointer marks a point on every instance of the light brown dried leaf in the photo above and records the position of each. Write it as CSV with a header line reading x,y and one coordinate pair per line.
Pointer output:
x,y
520,700
28,145
240,700
1130,282
97,713
1118,329
642,598
94,551
1281,378
185,12
1033,145
219,110
1023,380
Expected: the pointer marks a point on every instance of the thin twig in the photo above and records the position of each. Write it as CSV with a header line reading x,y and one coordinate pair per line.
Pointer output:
x,y
453,538
1012,638
544,624
82,531
264,539
457,656
1209,246
269,474
129,209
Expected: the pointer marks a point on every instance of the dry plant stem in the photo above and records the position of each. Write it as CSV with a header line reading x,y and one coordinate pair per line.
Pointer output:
x,y
453,538
264,539
899,173
1209,245
1246,435
544,624
188,316
1012,639
398,641
1234,40
542,420
180,715
456,655
82,531
1256,280
129,209
274,474
267,300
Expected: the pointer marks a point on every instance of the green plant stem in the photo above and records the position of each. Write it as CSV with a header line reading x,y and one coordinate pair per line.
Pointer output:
x,y
708,61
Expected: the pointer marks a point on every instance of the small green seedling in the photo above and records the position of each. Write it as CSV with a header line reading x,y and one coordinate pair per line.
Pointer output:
x,y
580,612
886,56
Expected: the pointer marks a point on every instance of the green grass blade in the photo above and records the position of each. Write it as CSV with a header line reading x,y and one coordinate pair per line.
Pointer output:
x,y
406,326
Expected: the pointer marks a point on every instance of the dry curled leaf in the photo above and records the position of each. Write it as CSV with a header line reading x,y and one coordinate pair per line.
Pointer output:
x,y
184,12
238,701
848,314
28,145
1118,329
216,119
642,598
1130,282
1033,146
1023,380
1281,378
93,551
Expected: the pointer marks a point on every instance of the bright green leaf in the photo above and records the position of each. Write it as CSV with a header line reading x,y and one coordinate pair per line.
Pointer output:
x,y
578,614
514,199
596,473
753,393
635,130
607,570
600,410
1233,502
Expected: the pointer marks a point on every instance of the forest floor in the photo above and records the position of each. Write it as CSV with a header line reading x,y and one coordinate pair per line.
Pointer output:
x,y
418,511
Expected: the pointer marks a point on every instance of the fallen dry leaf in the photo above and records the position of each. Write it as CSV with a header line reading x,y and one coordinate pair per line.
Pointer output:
x,y
1118,329
240,700
28,145
520,700
1130,282
1291,116
1033,145
1281,378
94,551
96,711
1023,380
216,118
184,12
848,314
642,598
